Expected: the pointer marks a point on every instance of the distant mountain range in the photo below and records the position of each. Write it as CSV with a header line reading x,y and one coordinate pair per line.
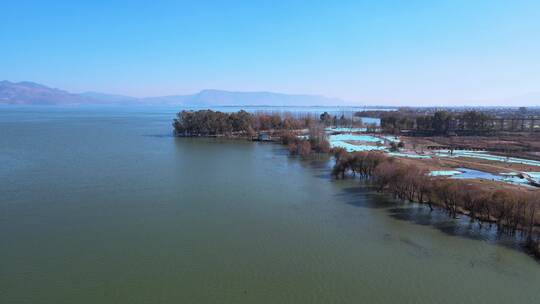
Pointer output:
x,y
33,93
29,93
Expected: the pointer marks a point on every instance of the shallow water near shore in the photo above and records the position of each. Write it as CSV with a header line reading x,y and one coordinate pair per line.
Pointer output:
x,y
105,206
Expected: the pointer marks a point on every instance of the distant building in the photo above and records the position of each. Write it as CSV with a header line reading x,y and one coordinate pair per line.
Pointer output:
x,y
264,137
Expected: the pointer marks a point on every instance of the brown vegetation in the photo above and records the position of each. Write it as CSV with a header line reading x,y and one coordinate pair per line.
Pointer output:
x,y
316,142
515,144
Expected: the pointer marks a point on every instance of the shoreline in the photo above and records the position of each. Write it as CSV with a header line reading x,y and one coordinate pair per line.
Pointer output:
x,y
513,208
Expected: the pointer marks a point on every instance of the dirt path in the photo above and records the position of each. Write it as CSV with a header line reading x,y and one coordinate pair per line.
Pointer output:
x,y
481,166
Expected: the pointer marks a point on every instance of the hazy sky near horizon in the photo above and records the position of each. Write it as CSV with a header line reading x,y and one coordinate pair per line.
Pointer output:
x,y
458,52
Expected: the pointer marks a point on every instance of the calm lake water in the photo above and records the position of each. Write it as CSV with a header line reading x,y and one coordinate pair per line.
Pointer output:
x,y
102,205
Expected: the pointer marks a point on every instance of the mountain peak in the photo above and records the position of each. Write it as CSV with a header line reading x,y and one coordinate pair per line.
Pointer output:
x,y
31,84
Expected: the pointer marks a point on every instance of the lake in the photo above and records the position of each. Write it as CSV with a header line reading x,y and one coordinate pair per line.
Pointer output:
x,y
103,205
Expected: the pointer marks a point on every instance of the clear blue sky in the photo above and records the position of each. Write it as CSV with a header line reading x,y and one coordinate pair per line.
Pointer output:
x,y
394,52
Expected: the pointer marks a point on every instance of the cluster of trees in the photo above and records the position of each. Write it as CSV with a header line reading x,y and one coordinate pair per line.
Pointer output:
x,y
341,121
315,142
361,163
212,123
208,122
438,123
511,210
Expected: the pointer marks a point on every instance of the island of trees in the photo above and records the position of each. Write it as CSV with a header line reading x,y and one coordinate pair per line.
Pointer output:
x,y
303,133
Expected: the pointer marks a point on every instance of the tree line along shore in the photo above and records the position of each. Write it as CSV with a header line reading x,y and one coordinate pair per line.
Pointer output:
x,y
512,210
